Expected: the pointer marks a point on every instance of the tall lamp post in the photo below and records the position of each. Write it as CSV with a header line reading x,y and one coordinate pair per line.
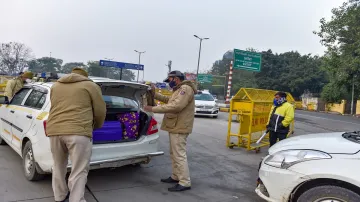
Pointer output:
x,y
139,64
197,71
107,71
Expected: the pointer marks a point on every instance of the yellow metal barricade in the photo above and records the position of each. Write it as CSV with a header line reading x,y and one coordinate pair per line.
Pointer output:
x,y
2,88
252,108
163,92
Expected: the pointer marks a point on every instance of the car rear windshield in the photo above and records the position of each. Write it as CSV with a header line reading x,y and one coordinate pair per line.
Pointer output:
x,y
119,102
204,97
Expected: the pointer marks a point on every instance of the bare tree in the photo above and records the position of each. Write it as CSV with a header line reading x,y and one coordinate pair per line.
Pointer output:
x,y
14,57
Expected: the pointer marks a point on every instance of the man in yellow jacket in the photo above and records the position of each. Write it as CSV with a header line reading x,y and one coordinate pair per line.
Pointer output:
x,y
77,107
14,85
178,121
280,118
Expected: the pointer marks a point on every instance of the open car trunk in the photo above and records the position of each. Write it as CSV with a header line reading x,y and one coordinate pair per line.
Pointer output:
x,y
124,122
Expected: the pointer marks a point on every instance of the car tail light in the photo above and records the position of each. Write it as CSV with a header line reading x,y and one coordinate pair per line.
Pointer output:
x,y
44,123
152,127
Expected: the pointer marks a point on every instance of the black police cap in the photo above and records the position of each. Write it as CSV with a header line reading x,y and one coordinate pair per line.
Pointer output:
x,y
175,74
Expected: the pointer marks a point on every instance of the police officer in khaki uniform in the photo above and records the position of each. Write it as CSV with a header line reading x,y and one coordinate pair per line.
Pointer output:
x,y
178,121
77,108
14,85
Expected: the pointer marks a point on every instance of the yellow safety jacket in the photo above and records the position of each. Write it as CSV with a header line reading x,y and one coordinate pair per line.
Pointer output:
x,y
280,119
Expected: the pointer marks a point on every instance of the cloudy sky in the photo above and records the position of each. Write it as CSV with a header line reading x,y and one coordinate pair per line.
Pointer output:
x,y
83,30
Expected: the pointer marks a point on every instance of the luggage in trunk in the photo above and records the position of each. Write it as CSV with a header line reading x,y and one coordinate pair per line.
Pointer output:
x,y
121,126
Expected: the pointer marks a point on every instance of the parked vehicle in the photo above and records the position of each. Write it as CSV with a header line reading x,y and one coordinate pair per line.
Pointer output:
x,y
312,168
23,124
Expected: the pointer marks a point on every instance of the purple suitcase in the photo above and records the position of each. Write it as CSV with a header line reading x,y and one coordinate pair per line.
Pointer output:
x,y
111,131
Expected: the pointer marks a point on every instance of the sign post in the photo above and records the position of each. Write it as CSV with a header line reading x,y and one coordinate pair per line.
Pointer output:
x,y
121,65
246,60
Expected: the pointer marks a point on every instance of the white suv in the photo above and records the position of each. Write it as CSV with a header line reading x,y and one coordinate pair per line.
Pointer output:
x,y
23,124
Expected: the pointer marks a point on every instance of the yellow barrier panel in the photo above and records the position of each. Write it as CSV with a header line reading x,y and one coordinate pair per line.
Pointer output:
x,y
252,108
298,105
2,88
163,92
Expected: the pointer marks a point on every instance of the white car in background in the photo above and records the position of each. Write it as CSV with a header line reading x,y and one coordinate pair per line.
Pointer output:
x,y
205,104
23,124
312,168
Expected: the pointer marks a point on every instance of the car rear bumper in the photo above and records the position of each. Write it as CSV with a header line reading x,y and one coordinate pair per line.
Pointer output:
x,y
122,161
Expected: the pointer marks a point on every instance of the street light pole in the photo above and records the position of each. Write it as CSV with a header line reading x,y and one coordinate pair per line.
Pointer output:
x,y
139,64
352,95
197,70
107,71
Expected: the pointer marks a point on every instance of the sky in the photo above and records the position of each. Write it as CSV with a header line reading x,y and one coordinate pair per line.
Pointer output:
x,y
83,30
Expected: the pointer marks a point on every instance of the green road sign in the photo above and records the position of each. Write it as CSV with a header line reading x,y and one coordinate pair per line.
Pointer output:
x,y
247,60
205,78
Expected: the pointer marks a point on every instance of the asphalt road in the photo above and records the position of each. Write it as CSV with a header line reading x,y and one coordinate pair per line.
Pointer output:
x,y
218,174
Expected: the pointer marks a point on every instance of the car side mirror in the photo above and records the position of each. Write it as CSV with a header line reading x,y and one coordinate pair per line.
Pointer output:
x,y
216,100
2,99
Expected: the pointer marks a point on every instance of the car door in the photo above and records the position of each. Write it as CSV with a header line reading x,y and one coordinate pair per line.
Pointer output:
x,y
7,113
26,113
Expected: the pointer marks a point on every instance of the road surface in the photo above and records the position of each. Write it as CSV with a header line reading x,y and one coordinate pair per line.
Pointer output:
x,y
218,174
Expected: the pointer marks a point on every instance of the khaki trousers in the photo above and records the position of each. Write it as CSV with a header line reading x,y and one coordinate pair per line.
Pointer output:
x,y
180,168
79,148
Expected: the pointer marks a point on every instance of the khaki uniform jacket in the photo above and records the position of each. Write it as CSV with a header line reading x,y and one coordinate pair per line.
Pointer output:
x,y
179,109
77,107
12,87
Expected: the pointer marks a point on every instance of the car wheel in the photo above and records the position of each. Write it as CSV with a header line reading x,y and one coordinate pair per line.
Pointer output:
x,y
29,164
328,193
2,142
215,117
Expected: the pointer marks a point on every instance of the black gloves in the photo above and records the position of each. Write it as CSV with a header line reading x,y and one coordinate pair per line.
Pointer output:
x,y
6,100
280,125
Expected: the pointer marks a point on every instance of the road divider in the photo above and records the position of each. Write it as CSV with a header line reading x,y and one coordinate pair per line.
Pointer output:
x,y
223,109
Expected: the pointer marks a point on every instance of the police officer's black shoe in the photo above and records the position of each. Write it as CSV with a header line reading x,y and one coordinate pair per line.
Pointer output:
x,y
169,180
179,187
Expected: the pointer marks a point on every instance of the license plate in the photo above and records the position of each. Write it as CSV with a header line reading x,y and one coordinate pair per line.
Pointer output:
x,y
118,163
203,110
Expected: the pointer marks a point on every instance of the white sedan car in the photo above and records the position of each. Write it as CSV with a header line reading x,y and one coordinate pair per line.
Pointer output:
x,y
312,168
205,105
23,124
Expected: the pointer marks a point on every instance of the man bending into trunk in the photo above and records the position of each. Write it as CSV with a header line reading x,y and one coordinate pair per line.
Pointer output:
x,y
77,107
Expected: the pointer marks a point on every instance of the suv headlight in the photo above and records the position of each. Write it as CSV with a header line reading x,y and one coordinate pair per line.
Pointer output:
x,y
288,158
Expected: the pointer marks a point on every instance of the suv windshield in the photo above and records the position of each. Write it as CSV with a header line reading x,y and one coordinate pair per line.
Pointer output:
x,y
119,102
204,97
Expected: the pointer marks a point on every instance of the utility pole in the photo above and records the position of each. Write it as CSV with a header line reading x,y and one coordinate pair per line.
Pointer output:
x,y
169,65
50,54
197,71
352,95
139,64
